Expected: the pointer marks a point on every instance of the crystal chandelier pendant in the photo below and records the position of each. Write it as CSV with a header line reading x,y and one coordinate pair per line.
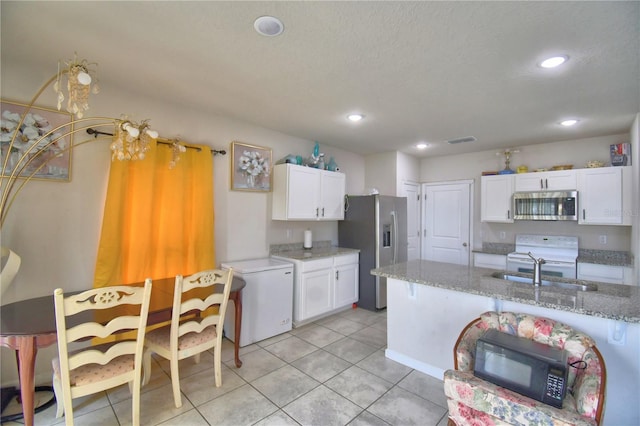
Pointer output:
x,y
79,87
131,140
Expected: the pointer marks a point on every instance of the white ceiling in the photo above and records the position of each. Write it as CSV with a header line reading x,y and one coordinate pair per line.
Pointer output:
x,y
419,71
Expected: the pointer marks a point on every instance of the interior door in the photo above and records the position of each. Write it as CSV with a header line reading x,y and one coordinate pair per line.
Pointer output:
x,y
412,192
447,222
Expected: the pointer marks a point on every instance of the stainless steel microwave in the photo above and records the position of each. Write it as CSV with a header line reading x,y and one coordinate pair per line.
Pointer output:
x,y
530,368
545,205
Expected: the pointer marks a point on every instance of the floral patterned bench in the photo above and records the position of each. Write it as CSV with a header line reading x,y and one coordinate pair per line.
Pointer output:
x,y
473,401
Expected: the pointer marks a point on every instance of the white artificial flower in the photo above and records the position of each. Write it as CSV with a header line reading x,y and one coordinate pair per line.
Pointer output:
x,y
12,116
29,120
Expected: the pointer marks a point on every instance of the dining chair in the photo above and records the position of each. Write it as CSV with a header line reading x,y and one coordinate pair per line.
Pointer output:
x,y
192,330
101,313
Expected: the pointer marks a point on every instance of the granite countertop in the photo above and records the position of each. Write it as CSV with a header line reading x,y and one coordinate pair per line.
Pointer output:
x,y
320,250
612,301
598,257
606,257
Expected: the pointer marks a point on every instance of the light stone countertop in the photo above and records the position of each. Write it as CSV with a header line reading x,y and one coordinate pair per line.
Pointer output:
x,y
611,301
313,253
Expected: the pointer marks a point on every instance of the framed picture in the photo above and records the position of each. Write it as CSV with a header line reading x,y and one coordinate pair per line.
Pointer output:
x,y
250,167
41,127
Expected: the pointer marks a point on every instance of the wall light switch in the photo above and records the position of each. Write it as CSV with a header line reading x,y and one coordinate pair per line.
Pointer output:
x,y
603,239
288,234
503,235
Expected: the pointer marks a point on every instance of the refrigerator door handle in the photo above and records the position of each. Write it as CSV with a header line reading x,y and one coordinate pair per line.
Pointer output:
x,y
394,237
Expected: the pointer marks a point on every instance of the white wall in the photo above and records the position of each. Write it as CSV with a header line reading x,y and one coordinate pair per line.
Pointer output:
x,y
387,172
381,173
407,170
576,152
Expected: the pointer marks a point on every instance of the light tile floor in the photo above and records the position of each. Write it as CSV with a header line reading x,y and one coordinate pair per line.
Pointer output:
x,y
330,372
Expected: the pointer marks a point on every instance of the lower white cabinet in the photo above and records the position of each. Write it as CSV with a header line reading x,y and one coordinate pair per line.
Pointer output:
x,y
605,273
346,280
492,261
323,286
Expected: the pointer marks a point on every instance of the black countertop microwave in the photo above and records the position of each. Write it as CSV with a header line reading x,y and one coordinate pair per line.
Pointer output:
x,y
522,365
545,205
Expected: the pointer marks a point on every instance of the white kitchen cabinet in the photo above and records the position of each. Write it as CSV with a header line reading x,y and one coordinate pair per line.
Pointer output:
x,y
546,181
346,280
495,198
601,195
316,296
305,193
605,273
488,260
323,286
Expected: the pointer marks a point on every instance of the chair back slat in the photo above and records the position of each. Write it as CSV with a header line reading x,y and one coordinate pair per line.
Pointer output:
x,y
96,356
94,329
103,298
201,304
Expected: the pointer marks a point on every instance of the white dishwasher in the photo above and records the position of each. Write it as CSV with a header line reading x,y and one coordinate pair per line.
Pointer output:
x,y
267,299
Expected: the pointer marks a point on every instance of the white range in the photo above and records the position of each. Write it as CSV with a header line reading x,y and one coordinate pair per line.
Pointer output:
x,y
559,252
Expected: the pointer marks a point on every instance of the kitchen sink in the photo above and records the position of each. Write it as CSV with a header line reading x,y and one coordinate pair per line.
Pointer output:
x,y
569,285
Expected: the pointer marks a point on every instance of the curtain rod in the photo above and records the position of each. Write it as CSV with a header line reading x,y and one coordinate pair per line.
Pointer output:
x,y
163,141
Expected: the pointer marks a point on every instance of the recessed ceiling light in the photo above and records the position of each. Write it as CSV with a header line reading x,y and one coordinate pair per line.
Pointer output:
x,y
355,117
554,61
422,145
268,26
570,122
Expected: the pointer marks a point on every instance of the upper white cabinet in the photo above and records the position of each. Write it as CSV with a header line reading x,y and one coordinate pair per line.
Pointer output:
x,y
305,193
546,181
603,194
496,192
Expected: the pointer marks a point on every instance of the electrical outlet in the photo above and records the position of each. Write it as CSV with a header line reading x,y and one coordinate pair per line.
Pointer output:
x,y
503,235
603,239
288,234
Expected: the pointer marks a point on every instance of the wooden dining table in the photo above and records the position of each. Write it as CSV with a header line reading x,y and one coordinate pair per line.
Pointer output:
x,y
30,324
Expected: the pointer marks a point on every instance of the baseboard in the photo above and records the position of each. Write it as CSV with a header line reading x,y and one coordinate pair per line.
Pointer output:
x,y
423,367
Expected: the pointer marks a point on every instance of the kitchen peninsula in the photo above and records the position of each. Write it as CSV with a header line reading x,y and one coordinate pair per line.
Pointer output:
x,y
428,304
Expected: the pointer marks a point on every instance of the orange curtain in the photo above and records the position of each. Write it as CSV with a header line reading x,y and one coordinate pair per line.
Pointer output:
x,y
158,222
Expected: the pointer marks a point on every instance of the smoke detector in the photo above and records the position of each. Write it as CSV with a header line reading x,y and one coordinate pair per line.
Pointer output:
x,y
268,26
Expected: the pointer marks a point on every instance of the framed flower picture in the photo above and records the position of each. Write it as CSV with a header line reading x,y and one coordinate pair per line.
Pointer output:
x,y
42,144
250,167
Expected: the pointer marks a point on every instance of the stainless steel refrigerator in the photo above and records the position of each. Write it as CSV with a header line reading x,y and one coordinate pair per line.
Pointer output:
x,y
377,225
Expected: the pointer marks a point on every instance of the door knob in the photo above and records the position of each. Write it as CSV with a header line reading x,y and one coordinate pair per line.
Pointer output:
x,y
464,244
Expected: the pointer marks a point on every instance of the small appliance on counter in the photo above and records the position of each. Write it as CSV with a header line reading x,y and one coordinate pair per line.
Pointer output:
x,y
267,299
308,239
530,368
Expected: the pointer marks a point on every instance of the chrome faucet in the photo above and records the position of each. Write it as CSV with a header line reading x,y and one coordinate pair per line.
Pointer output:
x,y
537,263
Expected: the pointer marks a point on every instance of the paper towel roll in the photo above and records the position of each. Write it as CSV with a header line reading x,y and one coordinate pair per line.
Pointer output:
x,y
307,239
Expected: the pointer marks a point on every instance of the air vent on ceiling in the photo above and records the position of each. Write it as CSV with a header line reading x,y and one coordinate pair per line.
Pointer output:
x,y
462,140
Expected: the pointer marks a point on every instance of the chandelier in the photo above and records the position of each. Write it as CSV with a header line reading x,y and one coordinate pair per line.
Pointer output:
x,y
132,140
79,87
